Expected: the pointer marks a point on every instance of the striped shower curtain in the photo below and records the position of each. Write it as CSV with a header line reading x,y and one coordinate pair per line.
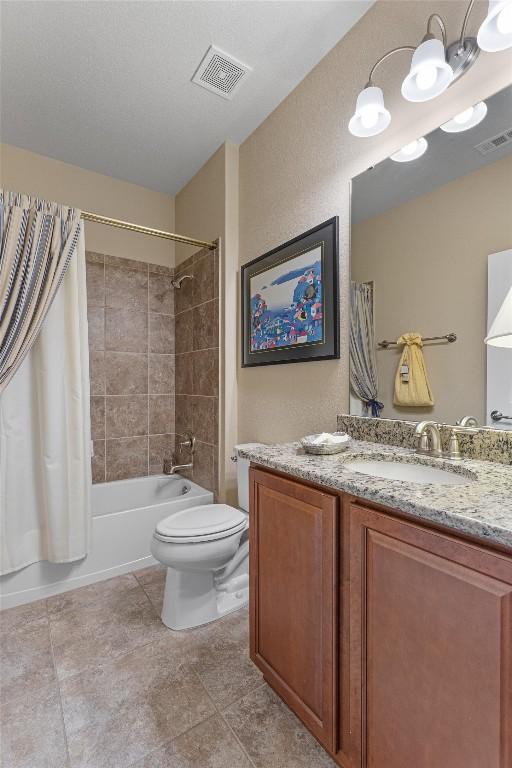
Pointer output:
x,y
45,475
363,363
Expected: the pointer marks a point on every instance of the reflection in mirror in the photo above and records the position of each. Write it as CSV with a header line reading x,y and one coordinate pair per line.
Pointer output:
x,y
431,272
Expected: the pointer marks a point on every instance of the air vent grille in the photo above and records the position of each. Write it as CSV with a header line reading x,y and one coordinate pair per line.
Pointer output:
x,y
220,73
495,142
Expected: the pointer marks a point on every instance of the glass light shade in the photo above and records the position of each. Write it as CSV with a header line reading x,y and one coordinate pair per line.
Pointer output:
x,y
495,33
411,151
371,116
467,119
430,74
500,332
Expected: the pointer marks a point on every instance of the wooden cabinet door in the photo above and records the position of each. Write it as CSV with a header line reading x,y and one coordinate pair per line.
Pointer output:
x,y
293,555
431,646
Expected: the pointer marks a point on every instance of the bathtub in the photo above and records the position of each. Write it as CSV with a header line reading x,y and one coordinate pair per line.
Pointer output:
x,y
124,515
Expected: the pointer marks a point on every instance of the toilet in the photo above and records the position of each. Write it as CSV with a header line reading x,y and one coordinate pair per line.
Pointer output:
x,y
206,551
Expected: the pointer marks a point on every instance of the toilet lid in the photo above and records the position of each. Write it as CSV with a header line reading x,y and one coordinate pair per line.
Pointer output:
x,y
204,523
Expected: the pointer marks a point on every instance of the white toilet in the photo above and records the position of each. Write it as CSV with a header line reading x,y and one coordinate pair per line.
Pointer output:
x,y
206,551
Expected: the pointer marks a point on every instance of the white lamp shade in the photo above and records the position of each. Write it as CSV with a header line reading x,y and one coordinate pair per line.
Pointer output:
x,y
467,119
371,116
500,332
411,151
495,33
430,73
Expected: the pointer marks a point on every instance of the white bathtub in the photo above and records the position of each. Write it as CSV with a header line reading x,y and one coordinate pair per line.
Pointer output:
x,y
124,515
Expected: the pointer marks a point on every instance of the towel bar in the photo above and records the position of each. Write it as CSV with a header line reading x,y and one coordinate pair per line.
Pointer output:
x,y
451,337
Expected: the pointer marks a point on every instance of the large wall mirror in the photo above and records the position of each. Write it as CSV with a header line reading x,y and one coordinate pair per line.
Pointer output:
x,y
431,254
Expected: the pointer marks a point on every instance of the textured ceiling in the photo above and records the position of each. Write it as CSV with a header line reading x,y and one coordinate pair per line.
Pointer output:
x,y
106,85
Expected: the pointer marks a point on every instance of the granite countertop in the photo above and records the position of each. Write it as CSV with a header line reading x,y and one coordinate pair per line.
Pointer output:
x,y
481,508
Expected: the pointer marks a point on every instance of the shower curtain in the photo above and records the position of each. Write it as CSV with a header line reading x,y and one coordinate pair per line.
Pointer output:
x,y
363,364
45,472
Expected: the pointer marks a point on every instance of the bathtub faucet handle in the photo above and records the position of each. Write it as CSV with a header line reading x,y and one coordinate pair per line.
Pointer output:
x,y
189,442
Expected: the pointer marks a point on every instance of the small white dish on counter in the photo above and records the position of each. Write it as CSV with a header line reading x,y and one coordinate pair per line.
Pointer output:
x,y
325,443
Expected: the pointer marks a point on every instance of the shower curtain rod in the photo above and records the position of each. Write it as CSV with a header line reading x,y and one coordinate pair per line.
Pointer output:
x,y
87,216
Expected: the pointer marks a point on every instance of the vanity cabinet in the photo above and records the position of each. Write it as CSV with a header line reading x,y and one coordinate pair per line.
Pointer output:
x,y
431,646
391,640
293,575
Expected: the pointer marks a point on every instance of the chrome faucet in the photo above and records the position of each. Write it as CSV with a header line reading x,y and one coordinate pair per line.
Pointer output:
x,y
172,469
428,438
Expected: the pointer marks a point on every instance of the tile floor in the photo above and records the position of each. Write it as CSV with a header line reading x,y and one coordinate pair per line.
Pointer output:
x,y
92,679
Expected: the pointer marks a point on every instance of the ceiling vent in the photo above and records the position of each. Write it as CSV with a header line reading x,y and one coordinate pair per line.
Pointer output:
x,y
489,145
220,73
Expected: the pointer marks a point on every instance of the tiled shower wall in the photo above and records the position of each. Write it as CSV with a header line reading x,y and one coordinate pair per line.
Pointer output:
x,y
132,366
197,362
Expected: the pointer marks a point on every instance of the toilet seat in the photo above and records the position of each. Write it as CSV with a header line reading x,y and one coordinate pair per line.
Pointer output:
x,y
208,522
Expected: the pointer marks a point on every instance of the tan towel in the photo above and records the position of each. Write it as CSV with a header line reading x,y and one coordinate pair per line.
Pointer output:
x,y
412,386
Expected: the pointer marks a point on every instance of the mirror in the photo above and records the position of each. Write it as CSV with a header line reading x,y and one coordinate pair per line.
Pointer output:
x,y
431,254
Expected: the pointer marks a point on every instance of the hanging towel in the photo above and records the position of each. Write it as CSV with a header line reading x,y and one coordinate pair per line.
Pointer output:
x,y
412,386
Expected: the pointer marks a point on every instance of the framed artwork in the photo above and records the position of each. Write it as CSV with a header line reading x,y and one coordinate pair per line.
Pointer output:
x,y
290,300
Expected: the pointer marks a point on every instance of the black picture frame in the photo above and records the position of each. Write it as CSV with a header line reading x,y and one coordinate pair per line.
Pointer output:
x,y
325,237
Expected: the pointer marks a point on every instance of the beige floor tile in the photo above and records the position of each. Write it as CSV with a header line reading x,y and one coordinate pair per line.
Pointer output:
x,y
95,634
223,665
92,595
209,745
33,732
271,734
26,663
118,713
152,581
12,619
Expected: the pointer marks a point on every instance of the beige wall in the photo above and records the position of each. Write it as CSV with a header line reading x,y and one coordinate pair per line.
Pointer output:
x,y
200,206
428,260
295,171
208,207
27,172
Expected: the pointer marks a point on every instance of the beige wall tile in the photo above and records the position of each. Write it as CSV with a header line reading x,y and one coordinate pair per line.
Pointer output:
x,y
206,372
161,448
96,328
205,417
161,374
126,373
184,373
206,325
161,334
161,294
126,288
97,372
98,418
126,330
126,416
95,274
127,457
161,414
185,331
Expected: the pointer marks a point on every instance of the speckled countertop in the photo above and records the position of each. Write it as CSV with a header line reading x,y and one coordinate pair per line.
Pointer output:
x,y
482,507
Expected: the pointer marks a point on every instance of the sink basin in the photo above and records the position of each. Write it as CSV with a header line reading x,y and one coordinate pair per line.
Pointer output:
x,y
409,473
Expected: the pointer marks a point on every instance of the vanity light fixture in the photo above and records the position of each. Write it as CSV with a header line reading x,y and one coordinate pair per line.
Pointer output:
x,y
411,151
495,33
466,119
434,66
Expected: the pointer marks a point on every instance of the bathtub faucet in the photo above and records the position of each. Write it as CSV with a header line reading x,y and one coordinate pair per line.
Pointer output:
x,y
170,468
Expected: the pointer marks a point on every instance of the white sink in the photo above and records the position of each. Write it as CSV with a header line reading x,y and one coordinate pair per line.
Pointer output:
x,y
409,473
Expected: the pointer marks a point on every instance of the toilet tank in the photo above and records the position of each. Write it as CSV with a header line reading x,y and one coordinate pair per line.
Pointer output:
x,y
242,470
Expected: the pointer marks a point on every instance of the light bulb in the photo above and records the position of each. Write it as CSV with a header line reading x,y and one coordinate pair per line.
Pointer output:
x,y
410,148
464,117
426,77
369,117
504,20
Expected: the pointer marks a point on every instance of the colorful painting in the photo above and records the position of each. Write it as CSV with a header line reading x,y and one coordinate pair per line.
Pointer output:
x,y
287,303
290,300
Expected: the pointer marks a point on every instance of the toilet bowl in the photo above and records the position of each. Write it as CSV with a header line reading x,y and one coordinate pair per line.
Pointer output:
x,y
206,551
